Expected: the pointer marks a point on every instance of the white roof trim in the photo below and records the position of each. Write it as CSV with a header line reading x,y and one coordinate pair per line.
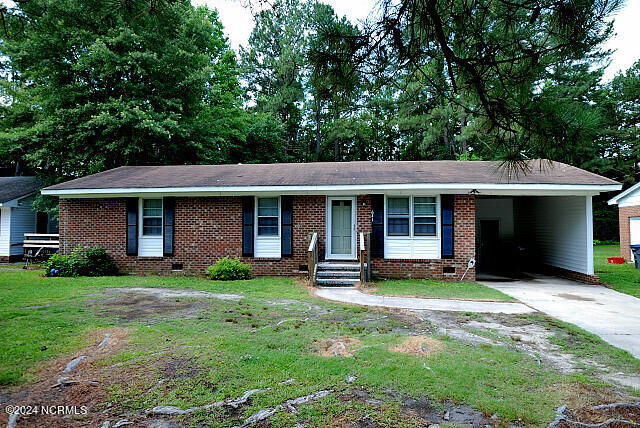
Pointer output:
x,y
616,199
483,188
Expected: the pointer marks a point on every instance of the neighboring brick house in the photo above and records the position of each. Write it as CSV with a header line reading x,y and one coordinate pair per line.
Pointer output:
x,y
628,203
424,218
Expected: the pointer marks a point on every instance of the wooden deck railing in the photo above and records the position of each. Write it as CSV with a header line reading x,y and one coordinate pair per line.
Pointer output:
x,y
312,258
361,257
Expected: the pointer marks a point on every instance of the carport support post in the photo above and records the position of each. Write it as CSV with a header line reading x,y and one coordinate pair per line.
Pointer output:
x,y
589,214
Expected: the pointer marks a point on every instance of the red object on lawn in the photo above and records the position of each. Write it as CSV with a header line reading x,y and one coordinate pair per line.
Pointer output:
x,y
615,260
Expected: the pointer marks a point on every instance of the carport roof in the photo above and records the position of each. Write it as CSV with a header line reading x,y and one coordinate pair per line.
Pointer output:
x,y
305,175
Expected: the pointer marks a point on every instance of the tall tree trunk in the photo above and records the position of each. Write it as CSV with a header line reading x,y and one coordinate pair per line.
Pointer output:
x,y
317,103
336,141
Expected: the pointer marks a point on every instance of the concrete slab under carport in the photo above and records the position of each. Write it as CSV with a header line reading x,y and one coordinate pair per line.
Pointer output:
x,y
613,316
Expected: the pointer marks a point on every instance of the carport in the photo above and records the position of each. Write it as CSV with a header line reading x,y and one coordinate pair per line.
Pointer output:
x,y
551,234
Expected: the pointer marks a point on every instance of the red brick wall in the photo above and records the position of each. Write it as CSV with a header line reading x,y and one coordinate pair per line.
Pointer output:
x,y
624,213
464,247
209,228
206,229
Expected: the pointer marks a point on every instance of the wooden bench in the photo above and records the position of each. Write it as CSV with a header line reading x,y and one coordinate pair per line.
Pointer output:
x,y
39,246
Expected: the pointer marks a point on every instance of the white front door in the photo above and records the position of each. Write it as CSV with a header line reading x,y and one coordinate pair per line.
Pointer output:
x,y
341,228
634,232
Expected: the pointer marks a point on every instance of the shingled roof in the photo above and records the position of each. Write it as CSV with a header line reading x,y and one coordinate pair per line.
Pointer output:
x,y
331,174
15,187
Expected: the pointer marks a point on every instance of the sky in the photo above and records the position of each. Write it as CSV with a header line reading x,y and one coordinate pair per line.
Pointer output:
x,y
238,24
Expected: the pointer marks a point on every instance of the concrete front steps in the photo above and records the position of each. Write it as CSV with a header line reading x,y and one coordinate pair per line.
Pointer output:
x,y
338,274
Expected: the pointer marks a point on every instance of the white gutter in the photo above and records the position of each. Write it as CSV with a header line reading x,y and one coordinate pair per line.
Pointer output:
x,y
481,188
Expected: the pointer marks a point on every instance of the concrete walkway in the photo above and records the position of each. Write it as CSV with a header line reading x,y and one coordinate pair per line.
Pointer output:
x,y
613,316
351,295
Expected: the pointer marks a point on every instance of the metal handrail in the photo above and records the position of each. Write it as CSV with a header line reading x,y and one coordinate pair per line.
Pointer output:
x,y
312,257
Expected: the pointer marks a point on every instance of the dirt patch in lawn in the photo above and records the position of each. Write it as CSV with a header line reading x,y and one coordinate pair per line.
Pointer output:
x,y
149,304
337,347
420,411
614,415
419,346
76,382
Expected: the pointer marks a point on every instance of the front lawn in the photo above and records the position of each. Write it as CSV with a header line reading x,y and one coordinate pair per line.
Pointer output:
x,y
624,278
173,345
437,289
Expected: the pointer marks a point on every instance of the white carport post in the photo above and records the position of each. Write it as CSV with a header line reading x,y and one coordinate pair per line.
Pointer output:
x,y
589,243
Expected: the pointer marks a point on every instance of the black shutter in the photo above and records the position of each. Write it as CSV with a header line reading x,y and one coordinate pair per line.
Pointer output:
x,y
168,222
247,225
446,203
286,238
377,226
132,226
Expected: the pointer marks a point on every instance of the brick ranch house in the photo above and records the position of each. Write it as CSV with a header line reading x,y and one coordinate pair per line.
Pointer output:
x,y
628,203
424,218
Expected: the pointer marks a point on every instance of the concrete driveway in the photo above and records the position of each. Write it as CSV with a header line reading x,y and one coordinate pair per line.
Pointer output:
x,y
613,316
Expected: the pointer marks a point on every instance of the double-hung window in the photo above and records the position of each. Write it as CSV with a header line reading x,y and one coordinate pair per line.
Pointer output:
x,y
424,216
398,216
411,216
268,215
152,217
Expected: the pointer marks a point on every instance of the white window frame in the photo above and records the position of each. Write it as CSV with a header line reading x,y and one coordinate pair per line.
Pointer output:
x,y
256,216
413,216
408,216
411,235
141,216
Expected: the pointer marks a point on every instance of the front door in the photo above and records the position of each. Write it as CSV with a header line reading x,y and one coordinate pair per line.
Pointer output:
x,y
341,228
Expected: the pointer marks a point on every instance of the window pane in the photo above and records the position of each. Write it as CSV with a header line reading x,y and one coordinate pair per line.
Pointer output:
x,y
424,220
267,221
152,208
268,230
424,230
424,226
151,231
268,207
398,206
152,226
424,206
154,221
398,226
429,200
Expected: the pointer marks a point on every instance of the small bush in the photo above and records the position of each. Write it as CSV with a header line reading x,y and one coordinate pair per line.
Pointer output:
x,y
227,269
93,261
59,265
98,263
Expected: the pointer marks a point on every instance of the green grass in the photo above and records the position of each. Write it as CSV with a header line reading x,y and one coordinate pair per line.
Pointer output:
x,y
438,289
624,278
231,347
